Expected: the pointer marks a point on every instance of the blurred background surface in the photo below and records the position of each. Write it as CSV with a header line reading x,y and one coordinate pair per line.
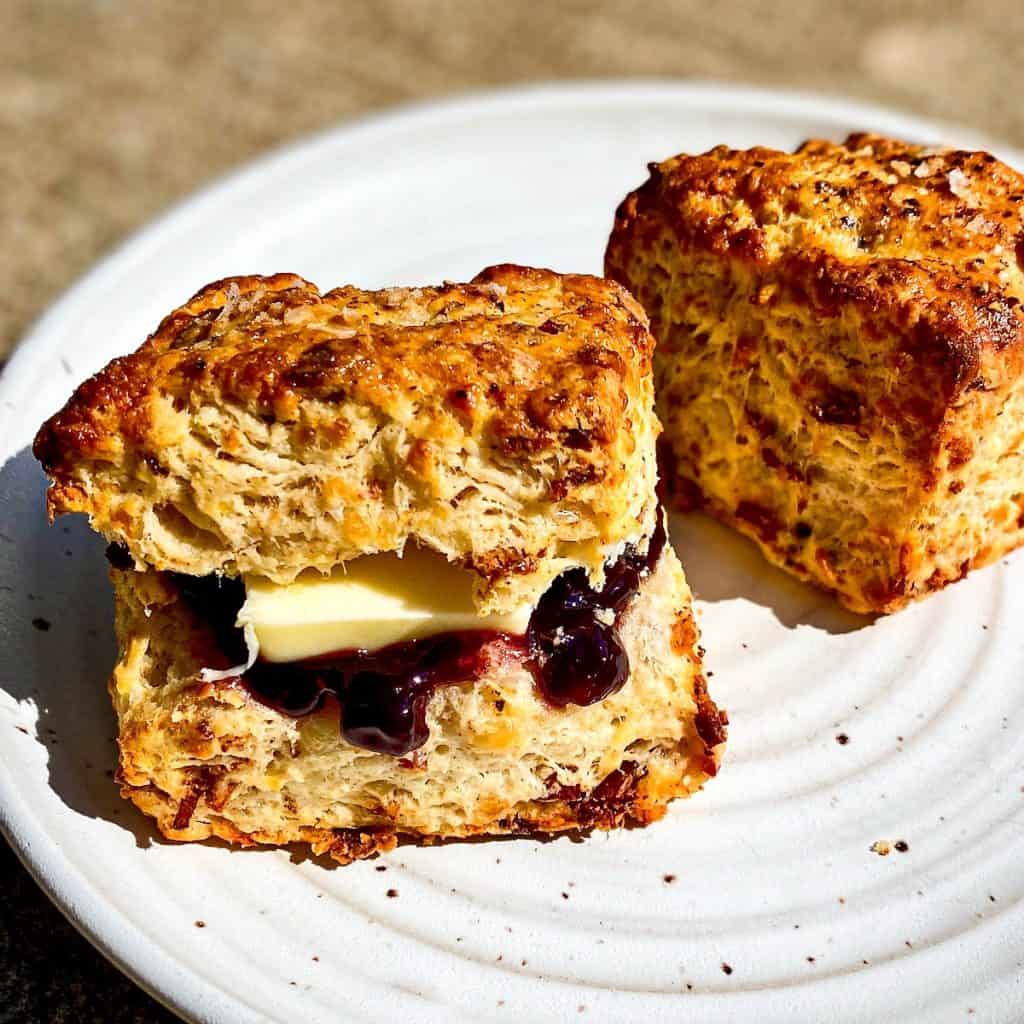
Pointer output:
x,y
111,111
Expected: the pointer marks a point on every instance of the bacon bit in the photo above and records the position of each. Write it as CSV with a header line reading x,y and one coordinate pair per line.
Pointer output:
x,y
185,809
201,782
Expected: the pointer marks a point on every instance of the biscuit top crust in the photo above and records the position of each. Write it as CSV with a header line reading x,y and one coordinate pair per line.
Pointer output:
x,y
507,423
924,241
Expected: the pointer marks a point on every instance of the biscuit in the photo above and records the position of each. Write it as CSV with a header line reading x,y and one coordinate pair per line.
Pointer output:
x,y
266,437
839,354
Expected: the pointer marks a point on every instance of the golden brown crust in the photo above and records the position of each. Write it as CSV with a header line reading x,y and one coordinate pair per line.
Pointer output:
x,y
839,345
925,241
626,797
206,759
265,427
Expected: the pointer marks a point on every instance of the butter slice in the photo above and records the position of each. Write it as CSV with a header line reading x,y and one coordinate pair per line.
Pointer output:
x,y
366,604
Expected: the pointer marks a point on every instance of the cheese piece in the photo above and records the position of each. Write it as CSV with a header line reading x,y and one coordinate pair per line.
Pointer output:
x,y
366,604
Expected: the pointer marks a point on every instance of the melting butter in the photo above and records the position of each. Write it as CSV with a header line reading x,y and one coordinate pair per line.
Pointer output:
x,y
366,604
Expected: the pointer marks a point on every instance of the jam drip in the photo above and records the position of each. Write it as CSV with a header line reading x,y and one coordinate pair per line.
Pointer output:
x,y
572,647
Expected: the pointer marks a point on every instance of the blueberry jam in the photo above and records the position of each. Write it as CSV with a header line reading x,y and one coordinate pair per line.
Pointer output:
x,y
573,640
572,647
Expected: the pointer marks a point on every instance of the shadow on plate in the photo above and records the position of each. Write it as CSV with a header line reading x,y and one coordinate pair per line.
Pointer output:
x,y
723,565
57,637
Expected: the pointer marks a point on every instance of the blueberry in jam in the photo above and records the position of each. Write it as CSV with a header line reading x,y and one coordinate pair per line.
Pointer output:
x,y
386,713
572,647
580,665
577,655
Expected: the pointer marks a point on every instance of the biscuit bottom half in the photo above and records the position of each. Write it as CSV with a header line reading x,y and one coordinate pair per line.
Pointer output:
x,y
208,759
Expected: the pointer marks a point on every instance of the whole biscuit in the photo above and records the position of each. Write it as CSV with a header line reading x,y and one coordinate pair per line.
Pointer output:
x,y
839,357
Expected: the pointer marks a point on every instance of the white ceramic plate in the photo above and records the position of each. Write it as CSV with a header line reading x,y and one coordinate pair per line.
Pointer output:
x,y
761,898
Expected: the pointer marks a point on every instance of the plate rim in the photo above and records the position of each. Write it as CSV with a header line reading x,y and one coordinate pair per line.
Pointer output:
x,y
196,998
